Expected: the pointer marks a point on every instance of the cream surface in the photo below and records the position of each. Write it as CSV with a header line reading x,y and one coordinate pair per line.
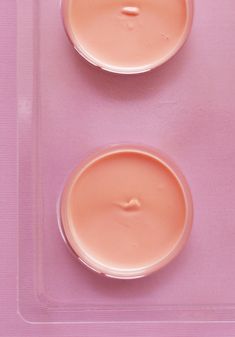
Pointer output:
x,y
125,209
132,33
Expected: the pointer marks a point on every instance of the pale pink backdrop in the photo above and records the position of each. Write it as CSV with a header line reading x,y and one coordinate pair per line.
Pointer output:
x,y
215,114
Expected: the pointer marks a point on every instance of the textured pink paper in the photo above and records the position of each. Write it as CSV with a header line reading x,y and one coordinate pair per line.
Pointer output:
x,y
209,145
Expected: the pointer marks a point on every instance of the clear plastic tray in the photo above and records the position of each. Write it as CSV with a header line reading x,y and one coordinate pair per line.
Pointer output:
x,y
68,108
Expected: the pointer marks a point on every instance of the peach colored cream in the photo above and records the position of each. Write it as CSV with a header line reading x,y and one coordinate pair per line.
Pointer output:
x,y
125,213
135,34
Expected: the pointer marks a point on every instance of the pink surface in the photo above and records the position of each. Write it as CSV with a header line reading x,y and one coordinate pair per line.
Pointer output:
x,y
209,146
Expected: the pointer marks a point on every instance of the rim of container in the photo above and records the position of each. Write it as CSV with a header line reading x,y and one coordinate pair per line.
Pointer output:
x,y
126,70
90,261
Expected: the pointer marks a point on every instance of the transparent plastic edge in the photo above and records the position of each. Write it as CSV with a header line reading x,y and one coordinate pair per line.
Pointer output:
x,y
26,82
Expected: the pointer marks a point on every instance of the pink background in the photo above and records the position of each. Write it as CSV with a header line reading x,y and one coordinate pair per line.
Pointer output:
x,y
214,129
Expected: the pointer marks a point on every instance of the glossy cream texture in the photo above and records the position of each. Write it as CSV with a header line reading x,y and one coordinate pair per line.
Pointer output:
x,y
132,33
124,210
